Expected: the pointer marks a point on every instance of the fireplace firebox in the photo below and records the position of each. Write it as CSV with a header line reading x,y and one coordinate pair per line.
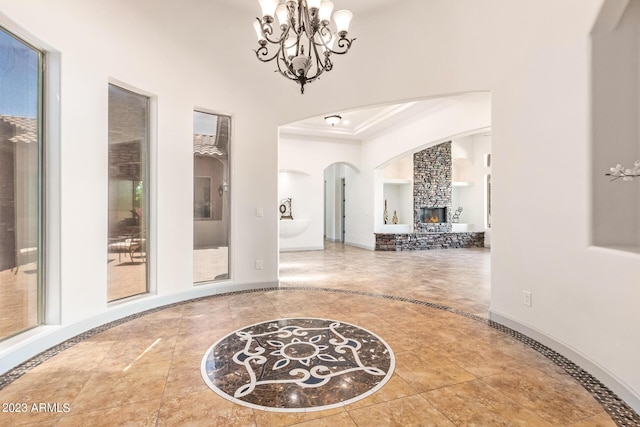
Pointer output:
x,y
433,215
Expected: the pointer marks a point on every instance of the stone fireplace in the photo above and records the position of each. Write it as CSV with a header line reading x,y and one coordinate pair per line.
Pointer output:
x,y
432,189
432,205
433,215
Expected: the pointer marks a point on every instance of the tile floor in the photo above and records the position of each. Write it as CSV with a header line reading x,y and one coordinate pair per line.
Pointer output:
x,y
451,369
18,299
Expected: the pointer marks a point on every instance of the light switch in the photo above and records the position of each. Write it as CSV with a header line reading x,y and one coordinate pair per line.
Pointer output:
x,y
259,212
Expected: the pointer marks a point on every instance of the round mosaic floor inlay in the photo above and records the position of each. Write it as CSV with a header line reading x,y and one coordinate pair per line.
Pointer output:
x,y
298,365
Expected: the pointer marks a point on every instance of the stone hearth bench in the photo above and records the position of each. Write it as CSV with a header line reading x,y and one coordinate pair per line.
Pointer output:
x,y
426,241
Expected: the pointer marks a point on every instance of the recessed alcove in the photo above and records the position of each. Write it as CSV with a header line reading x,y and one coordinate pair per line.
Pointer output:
x,y
294,185
615,94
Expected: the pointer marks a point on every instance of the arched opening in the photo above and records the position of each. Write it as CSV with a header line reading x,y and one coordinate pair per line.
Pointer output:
x,y
337,203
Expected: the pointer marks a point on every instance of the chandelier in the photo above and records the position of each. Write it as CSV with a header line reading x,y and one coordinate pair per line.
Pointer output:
x,y
306,41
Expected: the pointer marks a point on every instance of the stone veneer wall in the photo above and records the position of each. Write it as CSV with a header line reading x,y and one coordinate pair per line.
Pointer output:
x,y
432,185
417,242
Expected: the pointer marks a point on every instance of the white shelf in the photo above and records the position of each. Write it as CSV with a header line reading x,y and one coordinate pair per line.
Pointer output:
x,y
398,181
293,171
293,227
461,184
458,227
396,228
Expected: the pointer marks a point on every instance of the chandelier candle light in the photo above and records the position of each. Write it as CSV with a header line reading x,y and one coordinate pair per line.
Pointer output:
x,y
306,41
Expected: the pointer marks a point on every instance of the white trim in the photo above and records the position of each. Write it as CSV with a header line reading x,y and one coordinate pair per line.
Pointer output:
x,y
358,245
23,347
52,286
305,248
614,383
231,167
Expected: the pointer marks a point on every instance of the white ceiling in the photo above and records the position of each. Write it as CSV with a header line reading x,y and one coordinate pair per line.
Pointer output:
x,y
365,123
361,123
355,6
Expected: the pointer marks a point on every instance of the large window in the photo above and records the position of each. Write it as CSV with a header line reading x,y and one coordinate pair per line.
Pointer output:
x,y
21,183
210,197
127,270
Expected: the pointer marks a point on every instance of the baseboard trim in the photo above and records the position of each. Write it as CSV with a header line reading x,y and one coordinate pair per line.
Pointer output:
x,y
17,350
357,245
616,385
305,248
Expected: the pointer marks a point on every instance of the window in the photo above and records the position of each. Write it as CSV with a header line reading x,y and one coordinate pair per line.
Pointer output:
x,y
202,197
127,271
21,183
211,212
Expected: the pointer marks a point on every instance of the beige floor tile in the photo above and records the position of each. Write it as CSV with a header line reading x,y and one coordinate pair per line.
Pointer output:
x,y
555,397
438,353
273,419
394,389
135,351
45,386
142,414
339,420
185,376
139,383
428,370
407,411
475,403
600,420
203,408
477,358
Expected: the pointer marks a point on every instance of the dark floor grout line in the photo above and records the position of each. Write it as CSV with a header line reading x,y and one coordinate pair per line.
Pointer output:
x,y
621,413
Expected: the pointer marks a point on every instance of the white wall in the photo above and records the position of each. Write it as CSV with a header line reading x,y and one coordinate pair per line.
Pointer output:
x,y
309,158
455,117
468,153
129,43
534,57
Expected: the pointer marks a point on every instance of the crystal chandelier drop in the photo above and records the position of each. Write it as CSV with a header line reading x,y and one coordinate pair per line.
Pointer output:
x,y
306,41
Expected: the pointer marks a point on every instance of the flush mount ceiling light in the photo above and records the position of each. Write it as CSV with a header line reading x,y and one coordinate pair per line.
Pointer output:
x,y
333,119
306,41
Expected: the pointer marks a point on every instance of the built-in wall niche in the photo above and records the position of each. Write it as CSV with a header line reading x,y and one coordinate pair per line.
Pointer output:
x,y
398,195
294,192
461,171
462,178
615,125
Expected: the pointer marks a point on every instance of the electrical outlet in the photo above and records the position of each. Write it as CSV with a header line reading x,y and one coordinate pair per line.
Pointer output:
x,y
526,298
258,264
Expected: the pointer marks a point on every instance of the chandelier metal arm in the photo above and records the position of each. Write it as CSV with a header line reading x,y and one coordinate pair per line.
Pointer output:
x,y
343,43
267,31
321,65
264,51
286,73
297,22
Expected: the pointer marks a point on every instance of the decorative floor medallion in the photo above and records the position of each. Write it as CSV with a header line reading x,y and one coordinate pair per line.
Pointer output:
x,y
298,365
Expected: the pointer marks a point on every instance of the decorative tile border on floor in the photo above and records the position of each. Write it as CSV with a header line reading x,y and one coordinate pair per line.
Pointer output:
x,y
621,413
